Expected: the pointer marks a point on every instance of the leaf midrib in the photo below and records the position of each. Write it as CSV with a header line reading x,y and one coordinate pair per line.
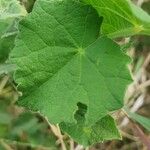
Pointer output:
x,y
112,11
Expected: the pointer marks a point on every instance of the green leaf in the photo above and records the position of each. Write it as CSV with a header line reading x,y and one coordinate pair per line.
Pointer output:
x,y
62,61
10,11
121,17
104,129
6,44
144,121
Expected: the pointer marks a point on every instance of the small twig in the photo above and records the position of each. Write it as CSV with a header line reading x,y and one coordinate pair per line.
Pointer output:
x,y
139,3
87,148
138,103
131,137
3,82
147,60
139,133
131,145
5,145
61,138
144,85
79,147
57,132
6,90
71,144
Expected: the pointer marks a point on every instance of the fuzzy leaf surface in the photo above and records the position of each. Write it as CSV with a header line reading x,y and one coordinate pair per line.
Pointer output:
x,y
62,61
121,17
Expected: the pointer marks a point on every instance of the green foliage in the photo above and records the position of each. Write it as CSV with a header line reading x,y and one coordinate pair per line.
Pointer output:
x,y
10,12
25,127
59,67
144,121
67,69
121,17
104,129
